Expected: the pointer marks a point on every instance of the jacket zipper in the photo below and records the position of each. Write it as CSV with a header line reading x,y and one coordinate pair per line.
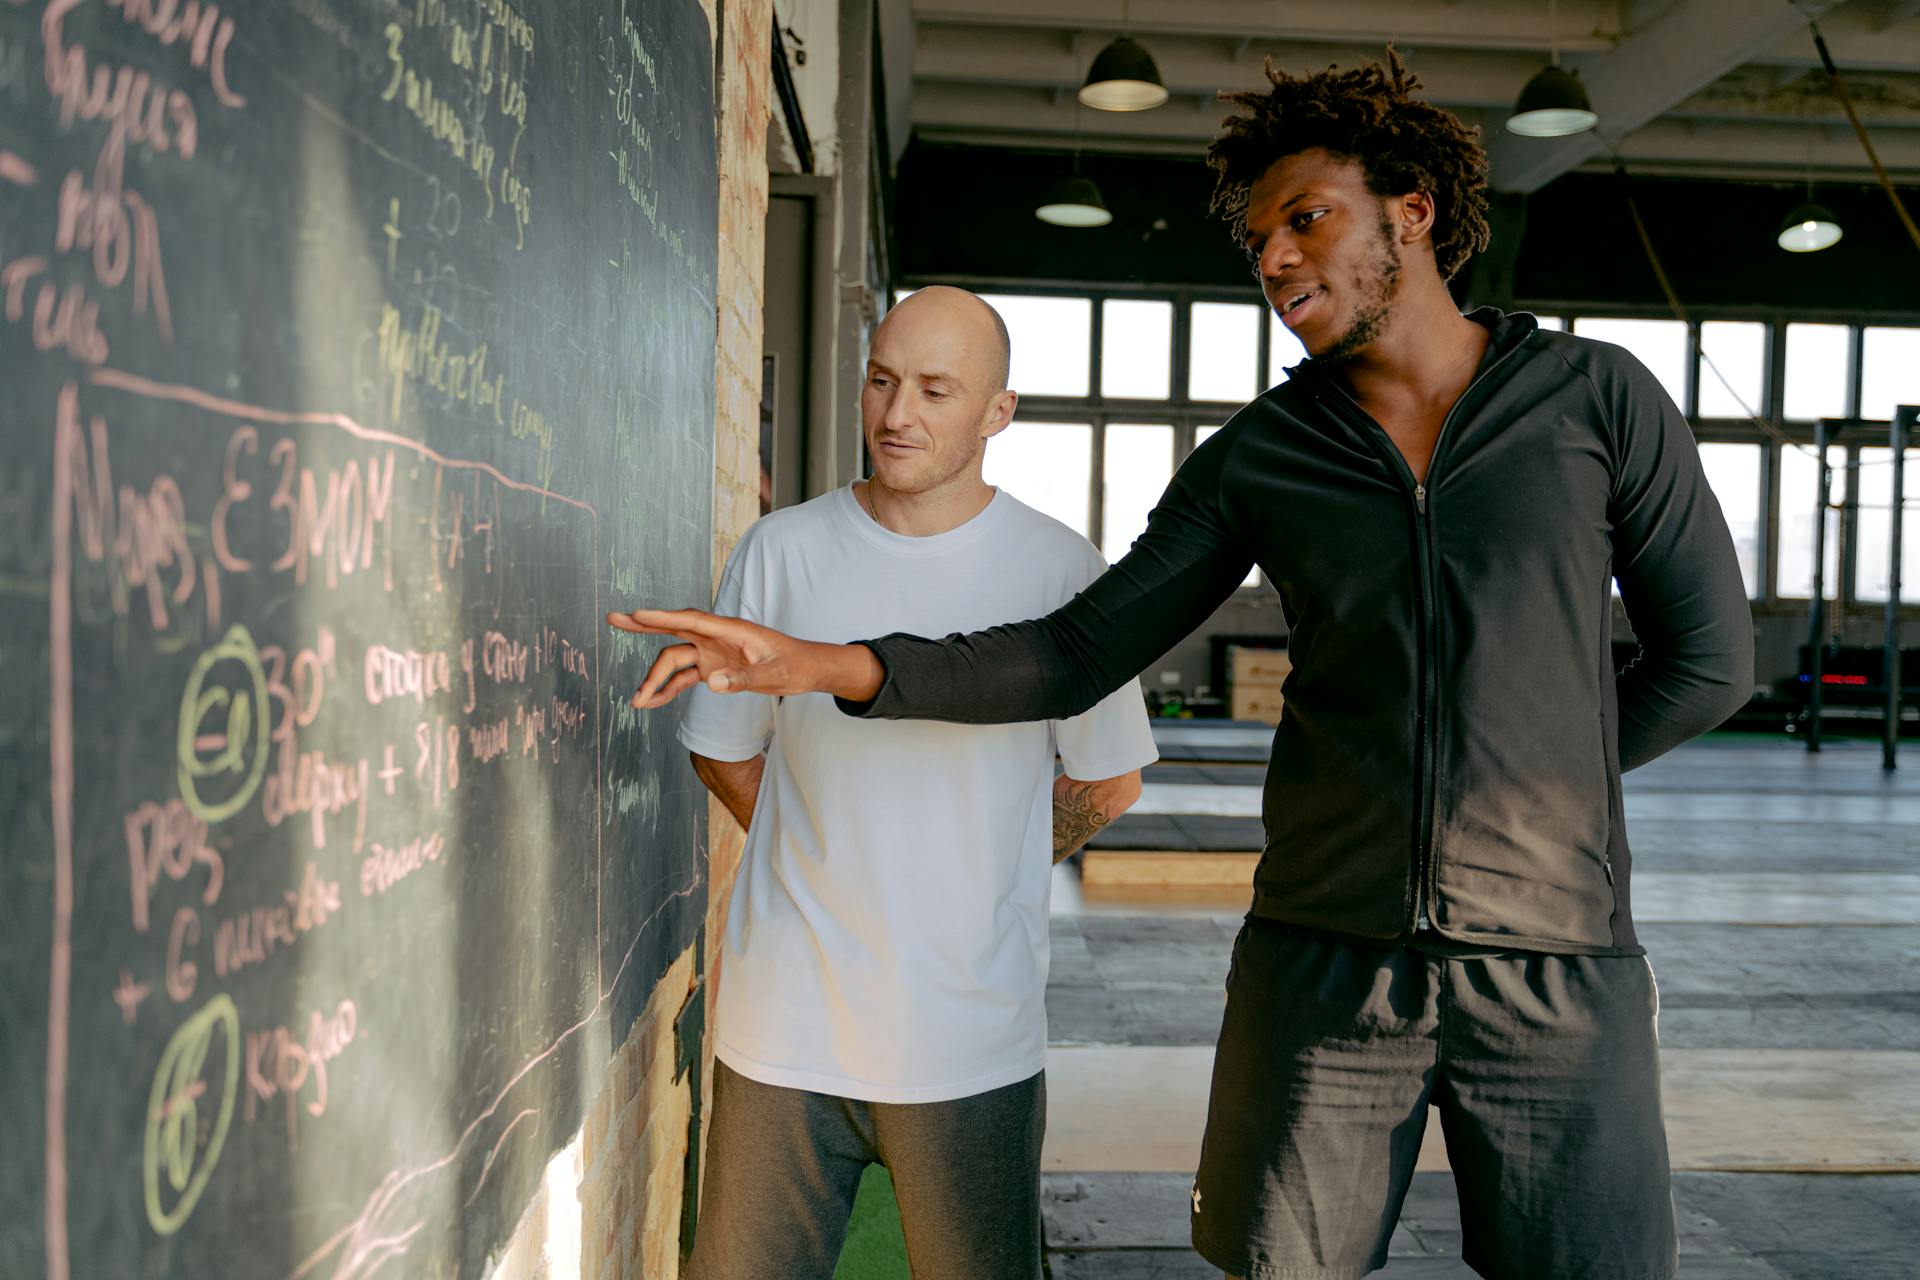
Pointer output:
x,y
1426,874
1429,690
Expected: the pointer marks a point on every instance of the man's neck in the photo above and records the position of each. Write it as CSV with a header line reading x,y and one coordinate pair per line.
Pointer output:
x,y
921,515
1426,356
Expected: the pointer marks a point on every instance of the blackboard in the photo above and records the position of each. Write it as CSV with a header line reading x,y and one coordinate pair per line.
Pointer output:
x,y
355,358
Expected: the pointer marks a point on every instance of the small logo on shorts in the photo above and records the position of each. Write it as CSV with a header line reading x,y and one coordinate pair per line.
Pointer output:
x,y
1196,1197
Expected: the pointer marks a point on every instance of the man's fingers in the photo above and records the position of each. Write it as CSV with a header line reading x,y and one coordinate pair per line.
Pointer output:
x,y
680,622
682,680
673,658
731,680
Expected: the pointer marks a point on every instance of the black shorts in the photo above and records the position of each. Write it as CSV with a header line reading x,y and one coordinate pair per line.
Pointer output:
x,y
1545,1070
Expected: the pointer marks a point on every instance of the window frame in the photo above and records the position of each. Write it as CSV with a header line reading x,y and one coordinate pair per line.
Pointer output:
x,y
1186,414
1181,411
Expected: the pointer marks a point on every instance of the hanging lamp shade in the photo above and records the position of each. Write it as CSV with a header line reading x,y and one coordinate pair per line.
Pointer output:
x,y
1073,202
1808,229
1553,105
1123,77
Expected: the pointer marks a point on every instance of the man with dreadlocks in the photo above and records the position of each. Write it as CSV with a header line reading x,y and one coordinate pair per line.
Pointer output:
x,y
1441,913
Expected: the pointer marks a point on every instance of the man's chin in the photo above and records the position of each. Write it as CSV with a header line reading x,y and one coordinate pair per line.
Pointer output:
x,y
895,477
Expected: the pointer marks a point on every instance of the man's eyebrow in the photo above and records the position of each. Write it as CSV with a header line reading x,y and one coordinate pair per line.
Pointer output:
x,y
874,366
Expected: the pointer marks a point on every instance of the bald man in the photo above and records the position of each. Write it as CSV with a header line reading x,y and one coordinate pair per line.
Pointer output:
x,y
882,991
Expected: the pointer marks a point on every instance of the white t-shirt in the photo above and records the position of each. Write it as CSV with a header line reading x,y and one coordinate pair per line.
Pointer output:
x,y
887,937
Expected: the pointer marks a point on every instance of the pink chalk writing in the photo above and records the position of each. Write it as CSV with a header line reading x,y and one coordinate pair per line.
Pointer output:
x,y
437,764
243,940
281,1065
145,534
16,170
307,782
182,974
386,867
488,741
62,318
167,840
121,232
405,673
129,994
135,108
503,659
298,697
232,490
168,21
339,533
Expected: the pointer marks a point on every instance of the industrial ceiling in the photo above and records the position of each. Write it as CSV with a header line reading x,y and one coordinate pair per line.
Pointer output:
x,y
1703,88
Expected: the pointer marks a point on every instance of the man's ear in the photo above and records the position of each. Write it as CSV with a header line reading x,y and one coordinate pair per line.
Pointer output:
x,y
1414,217
999,413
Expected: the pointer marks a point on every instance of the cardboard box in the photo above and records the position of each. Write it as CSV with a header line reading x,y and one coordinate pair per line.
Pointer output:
x,y
1256,666
1255,676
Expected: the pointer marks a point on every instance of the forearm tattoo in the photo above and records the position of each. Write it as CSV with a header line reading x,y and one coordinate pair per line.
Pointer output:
x,y
1079,811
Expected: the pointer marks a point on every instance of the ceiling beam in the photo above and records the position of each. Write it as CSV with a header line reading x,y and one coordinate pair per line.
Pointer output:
x,y
1205,65
1758,150
1751,146
1587,26
1032,113
1897,12
1681,51
1857,39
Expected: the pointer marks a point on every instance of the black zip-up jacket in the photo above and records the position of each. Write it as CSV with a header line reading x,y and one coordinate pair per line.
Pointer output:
x,y
1454,730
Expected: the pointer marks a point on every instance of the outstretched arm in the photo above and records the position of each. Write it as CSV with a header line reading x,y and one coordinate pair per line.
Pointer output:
x,y
1081,809
1186,563
732,655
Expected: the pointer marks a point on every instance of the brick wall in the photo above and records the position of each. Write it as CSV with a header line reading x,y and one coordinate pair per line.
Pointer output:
x,y
611,1205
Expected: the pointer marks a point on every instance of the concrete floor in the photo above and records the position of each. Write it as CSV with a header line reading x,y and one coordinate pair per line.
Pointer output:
x,y
1779,896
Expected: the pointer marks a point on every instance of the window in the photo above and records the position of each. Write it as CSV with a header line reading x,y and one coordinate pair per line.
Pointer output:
x,y
1733,369
1200,435
1047,465
1550,322
1875,526
1661,345
1136,349
1817,376
1133,475
1733,472
1799,480
1890,371
1283,350
1052,343
1223,350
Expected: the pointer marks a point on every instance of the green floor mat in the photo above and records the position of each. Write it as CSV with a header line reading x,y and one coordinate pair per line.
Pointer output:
x,y
875,1248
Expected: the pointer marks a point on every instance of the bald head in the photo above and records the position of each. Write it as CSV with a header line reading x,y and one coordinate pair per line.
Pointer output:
x,y
971,333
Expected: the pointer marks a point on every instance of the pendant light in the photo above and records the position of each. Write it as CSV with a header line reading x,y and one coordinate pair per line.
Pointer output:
x,y
1074,201
1554,103
1808,227
1123,76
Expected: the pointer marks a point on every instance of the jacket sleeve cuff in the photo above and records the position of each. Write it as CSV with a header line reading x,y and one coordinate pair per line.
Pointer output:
x,y
874,708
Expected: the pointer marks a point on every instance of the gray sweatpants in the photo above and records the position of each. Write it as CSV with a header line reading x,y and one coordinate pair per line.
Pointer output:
x,y
783,1166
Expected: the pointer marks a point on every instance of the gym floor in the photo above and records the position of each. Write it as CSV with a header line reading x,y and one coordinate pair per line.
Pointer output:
x,y
1778,894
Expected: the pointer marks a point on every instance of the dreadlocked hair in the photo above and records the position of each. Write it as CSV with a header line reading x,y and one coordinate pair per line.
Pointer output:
x,y
1368,115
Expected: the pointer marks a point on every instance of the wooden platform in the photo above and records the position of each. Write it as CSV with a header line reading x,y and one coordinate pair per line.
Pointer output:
x,y
1110,867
